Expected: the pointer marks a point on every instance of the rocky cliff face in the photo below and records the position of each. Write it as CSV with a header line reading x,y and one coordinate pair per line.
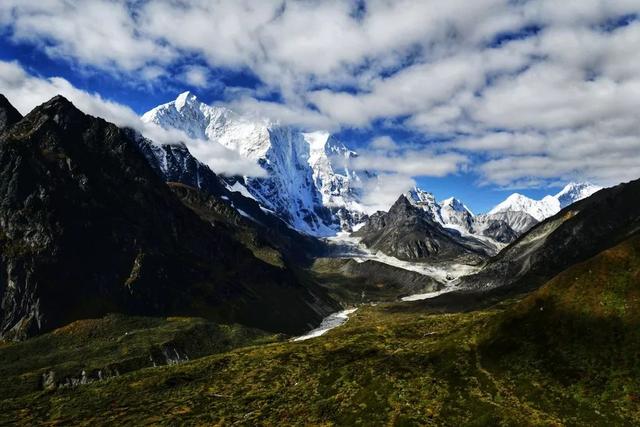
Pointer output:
x,y
8,114
87,228
519,221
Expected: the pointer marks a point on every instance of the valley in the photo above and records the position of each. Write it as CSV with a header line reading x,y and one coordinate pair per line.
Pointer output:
x,y
405,363
321,213
196,302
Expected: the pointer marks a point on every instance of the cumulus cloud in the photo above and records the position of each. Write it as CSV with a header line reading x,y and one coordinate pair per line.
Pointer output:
x,y
523,91
197,75
410,162
383,142
380,192
26,91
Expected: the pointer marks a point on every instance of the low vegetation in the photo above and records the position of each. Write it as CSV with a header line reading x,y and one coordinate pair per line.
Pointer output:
x,y
567,354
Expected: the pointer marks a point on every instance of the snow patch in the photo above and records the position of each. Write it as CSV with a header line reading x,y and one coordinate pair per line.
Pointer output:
x,y
239,188
330,322
428,295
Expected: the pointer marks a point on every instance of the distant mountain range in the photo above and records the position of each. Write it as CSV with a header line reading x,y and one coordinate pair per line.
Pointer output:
x,y
548,205
309,185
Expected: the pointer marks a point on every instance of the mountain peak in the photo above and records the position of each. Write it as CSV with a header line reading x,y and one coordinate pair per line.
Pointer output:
x,y
575,191
419,197
517,196
308,182
455,205
58,110
59,102
185,98
548,205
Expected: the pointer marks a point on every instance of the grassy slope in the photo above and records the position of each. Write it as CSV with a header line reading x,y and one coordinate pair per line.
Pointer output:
x,y
577,339
566,354
115,344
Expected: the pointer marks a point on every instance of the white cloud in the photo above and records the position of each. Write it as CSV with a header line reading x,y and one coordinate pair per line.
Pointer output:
x,y
383,190
410,162
536,106
96,32
286,114
197,76
383,142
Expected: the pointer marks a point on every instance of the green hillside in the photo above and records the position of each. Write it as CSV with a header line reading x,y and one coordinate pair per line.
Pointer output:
x,y
566,354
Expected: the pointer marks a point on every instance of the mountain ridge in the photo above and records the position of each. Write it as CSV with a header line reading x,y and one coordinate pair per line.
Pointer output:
x,y
89,228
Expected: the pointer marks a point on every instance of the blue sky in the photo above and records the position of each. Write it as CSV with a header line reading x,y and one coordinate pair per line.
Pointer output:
x,y
476,100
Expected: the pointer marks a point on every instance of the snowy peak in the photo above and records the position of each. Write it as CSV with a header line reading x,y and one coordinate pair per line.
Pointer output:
x,y
307,181
418,197
539,209
548,205
425,201
183,99
575,191
455,205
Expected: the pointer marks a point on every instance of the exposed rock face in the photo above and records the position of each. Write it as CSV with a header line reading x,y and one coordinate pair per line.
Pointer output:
x,y
87,228
495,228
518,221
409,232
576,233
8,114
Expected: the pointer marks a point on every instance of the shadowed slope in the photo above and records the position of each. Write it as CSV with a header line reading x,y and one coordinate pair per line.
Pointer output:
x,y
88,228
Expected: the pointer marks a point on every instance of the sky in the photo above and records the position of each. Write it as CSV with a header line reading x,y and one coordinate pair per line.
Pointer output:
x,y
472,99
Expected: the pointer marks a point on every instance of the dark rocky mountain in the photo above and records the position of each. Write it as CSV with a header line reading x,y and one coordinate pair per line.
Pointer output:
x,y
87,228
575,234
410,233
8,114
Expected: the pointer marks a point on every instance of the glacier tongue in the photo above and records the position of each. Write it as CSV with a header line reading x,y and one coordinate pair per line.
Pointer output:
x,y
307,181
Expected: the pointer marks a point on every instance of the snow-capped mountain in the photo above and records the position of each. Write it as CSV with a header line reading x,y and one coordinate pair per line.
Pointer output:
x,y
426,201
539,209
548,205
575,191
454,213
307,182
